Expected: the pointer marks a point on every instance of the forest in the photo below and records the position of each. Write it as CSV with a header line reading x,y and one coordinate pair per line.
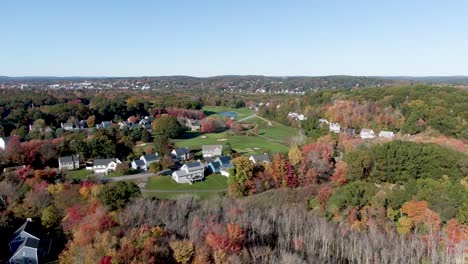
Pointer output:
x,y
332,198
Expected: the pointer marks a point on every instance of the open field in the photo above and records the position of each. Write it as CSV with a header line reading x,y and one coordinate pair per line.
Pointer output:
x,y
80,174
276,131
163,187
214,110
270,139
242,144
166,183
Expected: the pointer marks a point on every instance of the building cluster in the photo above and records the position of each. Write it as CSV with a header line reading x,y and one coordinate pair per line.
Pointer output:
x,y
365,133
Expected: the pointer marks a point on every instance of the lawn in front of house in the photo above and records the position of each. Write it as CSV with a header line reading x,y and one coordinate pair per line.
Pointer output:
x,y
79,174
166,183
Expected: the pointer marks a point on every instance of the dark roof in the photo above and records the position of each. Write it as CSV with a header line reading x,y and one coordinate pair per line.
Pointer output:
x,y
225,160
139,162
150,157
31,242
31,228
7,139
193,164
181,151
216,165
104,162
67,159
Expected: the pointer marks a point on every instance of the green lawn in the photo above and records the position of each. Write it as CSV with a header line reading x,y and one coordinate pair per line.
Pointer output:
x,y
276,131
79,174
241,112
242,144
211,182
213,185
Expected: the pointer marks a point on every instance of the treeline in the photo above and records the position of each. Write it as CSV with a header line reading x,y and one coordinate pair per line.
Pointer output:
x,y
408,109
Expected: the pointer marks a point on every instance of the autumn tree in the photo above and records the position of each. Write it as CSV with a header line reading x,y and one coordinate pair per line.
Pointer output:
x,y
295,155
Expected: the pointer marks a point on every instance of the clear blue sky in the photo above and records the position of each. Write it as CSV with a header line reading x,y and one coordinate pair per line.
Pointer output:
x,y
217,37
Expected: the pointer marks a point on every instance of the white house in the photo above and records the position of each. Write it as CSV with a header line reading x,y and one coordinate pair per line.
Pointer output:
x,y
334,127
189,173
138,164
69,162
323,121
4,142
149,158
386,134
101,166
297,116
181,153
212,150
367,133
258,159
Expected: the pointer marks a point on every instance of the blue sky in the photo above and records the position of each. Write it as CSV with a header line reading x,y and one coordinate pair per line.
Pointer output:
x,y
217,37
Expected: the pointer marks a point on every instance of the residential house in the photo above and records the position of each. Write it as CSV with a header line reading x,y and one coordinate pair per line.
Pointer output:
x,y
297,116
4,142
259,159
13,168
334,127
29,244
139,164
351,131
181,154
68,126
104,125
144,161
193,125
386,134
69,162
226,165
214,167
146,122
149,158
212,150
367,133
189,173
103,166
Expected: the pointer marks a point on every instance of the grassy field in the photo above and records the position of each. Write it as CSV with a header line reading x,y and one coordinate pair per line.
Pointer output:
x,y
214,110
80,174
211,182
241,144
213,185
276,131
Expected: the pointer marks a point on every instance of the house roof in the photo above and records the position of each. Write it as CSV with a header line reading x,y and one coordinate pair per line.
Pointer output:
x,y
193,164
31,228
31,242
225,160
103,162
68,159
216,165
150,157
260,158
181,151
139,162
211,148
367,130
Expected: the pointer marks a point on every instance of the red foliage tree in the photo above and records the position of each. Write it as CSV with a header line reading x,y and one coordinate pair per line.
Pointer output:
x,y
340,174
323,196
291,177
